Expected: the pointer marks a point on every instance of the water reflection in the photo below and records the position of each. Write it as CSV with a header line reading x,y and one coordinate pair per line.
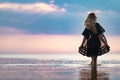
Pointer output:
x,y
93,74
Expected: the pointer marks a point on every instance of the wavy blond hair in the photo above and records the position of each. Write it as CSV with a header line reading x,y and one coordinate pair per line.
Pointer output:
x,y
90,22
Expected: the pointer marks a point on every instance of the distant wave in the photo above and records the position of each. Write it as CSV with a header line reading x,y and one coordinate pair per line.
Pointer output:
x,y
59,62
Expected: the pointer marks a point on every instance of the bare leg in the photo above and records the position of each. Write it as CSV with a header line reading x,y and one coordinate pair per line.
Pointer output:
x,y
94,68
94,60
94,73
91,61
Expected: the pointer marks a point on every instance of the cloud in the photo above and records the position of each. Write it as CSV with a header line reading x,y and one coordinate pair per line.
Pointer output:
x,y
33,8
52,1
38,43
26,43
107,12
95,11
10,30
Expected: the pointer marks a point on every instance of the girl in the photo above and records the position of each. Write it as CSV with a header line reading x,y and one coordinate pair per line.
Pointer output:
x,y
93,39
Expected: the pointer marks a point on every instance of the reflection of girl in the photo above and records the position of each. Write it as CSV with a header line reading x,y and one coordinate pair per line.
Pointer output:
x,y
93,74
93,35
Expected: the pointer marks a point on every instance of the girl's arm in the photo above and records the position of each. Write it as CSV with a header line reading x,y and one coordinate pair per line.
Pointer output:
x,y
83,41
104,40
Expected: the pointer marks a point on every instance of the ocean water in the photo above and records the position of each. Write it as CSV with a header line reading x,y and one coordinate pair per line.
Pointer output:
x,y
57,67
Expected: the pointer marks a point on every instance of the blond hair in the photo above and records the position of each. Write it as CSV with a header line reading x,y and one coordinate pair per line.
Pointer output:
x,y
90,22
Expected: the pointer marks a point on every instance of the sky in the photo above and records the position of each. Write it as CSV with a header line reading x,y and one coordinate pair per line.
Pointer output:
x,y
54,26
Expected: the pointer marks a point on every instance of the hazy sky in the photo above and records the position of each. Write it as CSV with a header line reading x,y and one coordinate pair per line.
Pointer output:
x,y
35,26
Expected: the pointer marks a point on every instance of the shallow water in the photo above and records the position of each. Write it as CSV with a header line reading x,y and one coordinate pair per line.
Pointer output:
x,y
28,67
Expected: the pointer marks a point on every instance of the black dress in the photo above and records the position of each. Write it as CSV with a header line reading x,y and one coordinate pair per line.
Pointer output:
x,y
93,42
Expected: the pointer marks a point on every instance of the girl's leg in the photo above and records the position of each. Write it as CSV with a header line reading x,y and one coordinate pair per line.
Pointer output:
x,y
94,60
91,60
